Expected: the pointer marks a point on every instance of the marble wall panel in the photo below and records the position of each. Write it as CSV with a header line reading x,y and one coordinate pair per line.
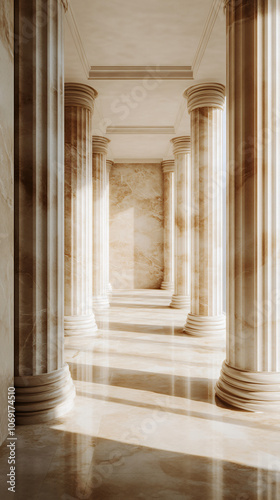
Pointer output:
x,y
6,208
136,226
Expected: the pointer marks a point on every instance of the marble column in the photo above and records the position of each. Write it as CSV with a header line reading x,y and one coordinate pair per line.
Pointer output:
x,y
44,388
79,318
100,222
168,224
109,164
6,209
182,154
205,104
250,377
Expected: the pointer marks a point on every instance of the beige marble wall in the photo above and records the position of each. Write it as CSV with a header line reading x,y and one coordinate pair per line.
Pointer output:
x,y
6,207
136,226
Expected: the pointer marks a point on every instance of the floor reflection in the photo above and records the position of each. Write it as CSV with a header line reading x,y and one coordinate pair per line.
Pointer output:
x,y
146,423
80,466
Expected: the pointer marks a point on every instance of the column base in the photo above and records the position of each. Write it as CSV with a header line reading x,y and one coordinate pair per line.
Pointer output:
x,y
100,302
79,325
167,285
41,398
251,391
180,302
200,326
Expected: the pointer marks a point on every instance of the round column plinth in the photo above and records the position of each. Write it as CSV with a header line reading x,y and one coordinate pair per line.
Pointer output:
x,y
180,302
100,302
40,398
201,326
79,325
251,391
167,285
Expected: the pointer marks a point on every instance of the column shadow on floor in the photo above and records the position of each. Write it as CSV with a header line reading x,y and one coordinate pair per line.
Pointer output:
x,y
165,409
127,305
113,354
154,329
197,389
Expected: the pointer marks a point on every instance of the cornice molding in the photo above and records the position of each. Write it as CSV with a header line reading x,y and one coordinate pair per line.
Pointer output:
x,y
143,72
70,18
140,73
205,95
78,94
208,28
138,161
140,130
65,4
181,144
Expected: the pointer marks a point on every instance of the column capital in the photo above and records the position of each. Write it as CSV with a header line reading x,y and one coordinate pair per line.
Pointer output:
x,y
99,144
78,94
205,95
65,4
181,144
168,166
109,165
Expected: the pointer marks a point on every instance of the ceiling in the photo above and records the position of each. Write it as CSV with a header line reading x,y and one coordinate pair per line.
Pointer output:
x,y
140,55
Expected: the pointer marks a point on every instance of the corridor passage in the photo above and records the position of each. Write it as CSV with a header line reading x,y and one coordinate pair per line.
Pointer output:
x,y
146,424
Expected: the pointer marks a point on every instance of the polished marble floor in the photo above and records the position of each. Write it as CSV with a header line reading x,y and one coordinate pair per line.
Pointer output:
x,y
146,424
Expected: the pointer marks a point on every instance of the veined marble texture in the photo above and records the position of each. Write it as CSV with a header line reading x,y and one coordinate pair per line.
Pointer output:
x,y
136,226
145,423
250,376
78,248
6,207
42,381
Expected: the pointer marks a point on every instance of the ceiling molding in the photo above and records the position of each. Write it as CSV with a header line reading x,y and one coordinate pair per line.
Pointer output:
x,y
137,160
208,28
77,39
140,73
144,72
65,4
140,130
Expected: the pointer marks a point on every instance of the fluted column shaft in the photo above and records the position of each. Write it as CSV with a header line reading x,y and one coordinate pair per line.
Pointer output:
x,y
79,318
44,388
109,164
205,104
250,376
182,154
100,221
168,224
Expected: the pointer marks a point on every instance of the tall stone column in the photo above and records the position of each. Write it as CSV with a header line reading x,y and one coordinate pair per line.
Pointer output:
x,y
182,154
109,164
205,104
100,222
168,224
250,377
44,388
79,318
